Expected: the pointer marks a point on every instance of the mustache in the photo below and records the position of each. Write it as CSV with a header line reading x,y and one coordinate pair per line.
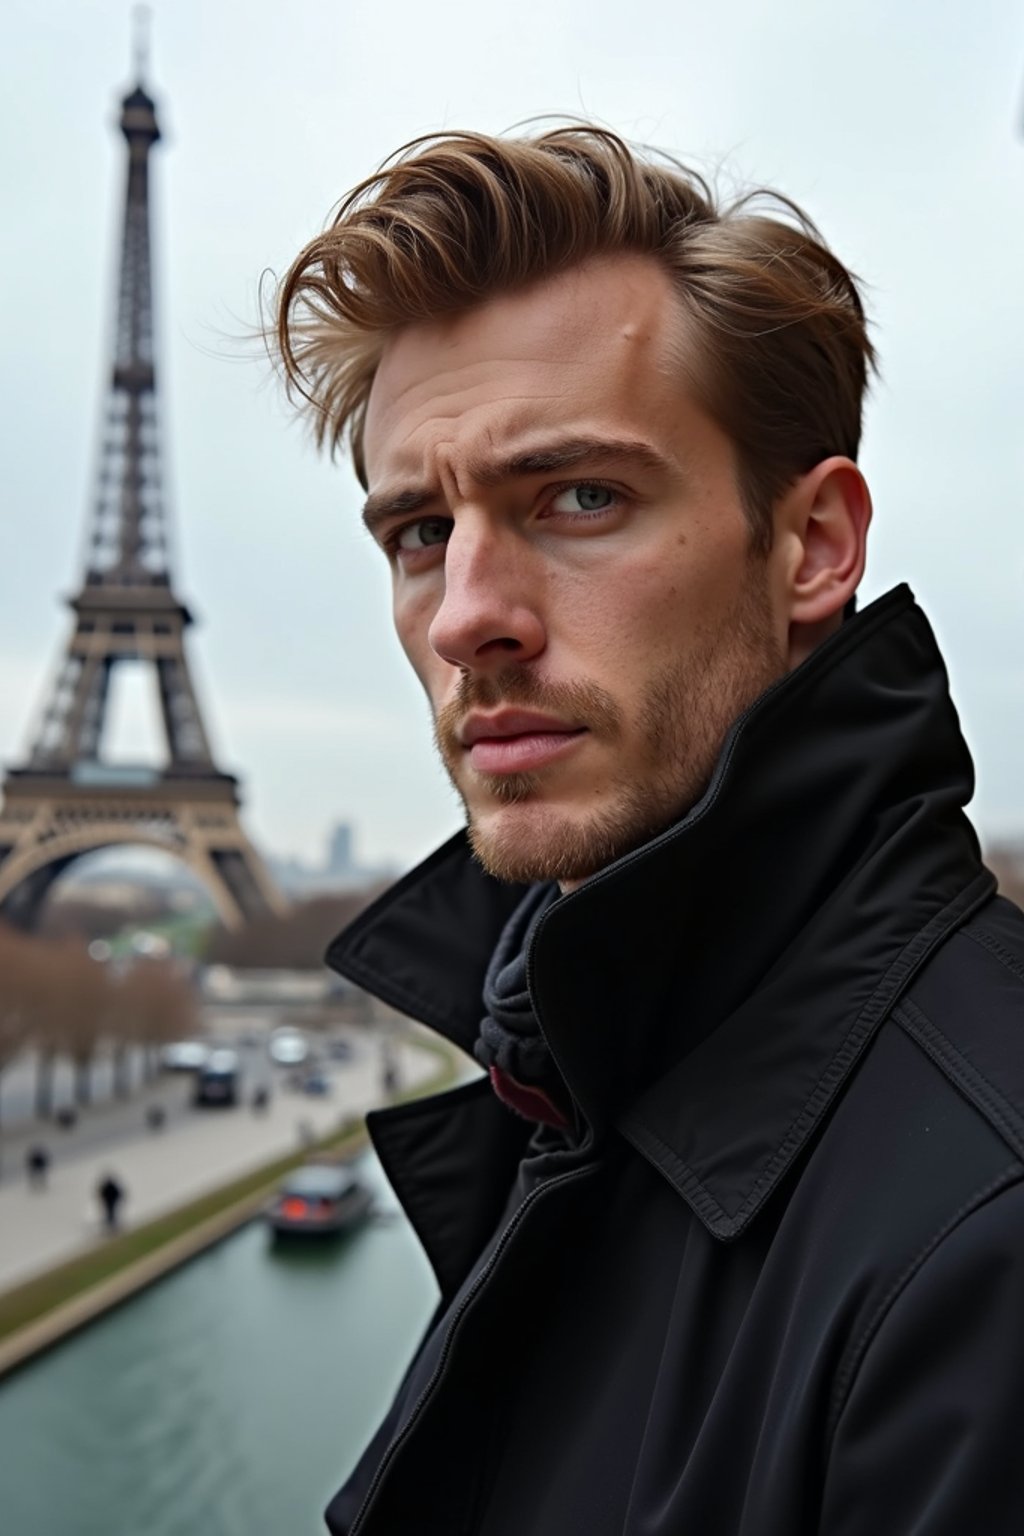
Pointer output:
x,y
582,703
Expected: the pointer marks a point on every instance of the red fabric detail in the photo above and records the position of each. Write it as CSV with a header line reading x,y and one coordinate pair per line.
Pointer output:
x,y
531,1102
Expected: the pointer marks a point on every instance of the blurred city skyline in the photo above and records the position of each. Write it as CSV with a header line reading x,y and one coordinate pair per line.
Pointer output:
x,y
899,131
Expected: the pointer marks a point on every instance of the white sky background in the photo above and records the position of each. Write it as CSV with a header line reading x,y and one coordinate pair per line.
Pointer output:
x,y
897,125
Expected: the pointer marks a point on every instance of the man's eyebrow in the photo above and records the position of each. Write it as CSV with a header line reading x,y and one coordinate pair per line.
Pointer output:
x,y
380,506
569,453
552,458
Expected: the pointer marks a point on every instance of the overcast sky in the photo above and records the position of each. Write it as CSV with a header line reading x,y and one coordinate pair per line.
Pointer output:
x,y
897,125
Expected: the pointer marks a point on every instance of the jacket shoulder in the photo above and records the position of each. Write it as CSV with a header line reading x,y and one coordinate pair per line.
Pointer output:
x,y
966,1011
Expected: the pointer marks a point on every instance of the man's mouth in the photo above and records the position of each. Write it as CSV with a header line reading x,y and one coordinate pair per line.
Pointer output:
x,y
516,741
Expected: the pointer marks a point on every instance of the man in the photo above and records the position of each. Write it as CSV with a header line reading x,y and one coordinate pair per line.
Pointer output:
x,y
730,1236
110,1194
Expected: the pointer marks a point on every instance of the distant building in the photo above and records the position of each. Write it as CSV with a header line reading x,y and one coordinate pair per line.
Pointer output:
x,y
339,851
340,870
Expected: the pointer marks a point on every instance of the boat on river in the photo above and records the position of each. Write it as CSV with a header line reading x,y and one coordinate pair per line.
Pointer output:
x,y
319,1200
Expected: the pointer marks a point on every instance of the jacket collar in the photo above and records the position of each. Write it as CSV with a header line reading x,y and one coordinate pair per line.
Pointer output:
x,y
708,993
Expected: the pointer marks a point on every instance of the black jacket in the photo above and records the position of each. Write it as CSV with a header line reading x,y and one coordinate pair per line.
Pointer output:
x,y
776,1284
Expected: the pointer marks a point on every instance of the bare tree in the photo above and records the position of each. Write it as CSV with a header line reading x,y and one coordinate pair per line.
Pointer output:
x,y
59,1001
154,1002
42,991
84,1004
15,1022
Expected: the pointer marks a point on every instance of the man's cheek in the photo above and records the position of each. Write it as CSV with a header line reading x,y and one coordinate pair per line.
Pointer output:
x,y
411,629
433,674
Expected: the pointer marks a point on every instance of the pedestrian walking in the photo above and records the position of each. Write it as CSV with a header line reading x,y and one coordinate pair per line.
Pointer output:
x,y
388,1069
110,1193
37,1165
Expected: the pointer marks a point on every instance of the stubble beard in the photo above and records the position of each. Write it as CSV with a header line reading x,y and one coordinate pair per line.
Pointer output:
x,y
682,719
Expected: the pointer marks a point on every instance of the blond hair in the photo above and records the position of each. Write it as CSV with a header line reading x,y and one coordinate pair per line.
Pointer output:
x,y
455,219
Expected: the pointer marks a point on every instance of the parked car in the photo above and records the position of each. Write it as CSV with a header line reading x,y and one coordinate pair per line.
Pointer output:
x,y
317,1084
288,1047
184,1056
217,1082
319,1199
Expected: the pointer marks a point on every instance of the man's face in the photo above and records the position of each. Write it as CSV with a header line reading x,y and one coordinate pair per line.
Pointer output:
x,y
571,564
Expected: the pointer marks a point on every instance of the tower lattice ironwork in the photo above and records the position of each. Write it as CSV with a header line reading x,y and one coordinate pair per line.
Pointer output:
x,y
66,801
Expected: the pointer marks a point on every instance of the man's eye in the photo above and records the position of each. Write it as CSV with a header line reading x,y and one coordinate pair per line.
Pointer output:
x,y
427,531
584,498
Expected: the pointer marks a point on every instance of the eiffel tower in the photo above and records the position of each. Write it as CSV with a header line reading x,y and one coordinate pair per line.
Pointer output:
x,y
65,801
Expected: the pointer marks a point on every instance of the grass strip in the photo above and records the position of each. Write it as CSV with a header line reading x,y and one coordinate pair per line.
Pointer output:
x,y
32,1300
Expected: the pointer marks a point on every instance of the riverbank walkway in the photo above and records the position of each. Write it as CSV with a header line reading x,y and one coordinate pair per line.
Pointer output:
x,y
194,1153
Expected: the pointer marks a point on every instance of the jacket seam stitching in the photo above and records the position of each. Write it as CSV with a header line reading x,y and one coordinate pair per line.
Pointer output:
x,y
856,1354
987,941
962,1072
690,1186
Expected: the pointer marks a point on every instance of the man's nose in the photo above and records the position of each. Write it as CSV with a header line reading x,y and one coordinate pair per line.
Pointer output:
x,y
491,610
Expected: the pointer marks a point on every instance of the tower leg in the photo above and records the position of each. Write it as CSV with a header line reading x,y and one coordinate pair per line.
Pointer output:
x,y
22,906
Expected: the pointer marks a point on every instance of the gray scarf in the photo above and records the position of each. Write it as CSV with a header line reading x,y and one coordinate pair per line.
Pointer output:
x,y
510,1036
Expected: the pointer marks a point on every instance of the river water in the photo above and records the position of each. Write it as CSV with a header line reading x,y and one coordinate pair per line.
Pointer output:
x,y
229,1400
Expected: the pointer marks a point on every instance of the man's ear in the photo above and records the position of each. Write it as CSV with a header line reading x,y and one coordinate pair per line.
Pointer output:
x,y
821,528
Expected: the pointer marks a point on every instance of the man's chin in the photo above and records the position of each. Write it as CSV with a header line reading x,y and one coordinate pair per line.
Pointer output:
x,y
527,842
